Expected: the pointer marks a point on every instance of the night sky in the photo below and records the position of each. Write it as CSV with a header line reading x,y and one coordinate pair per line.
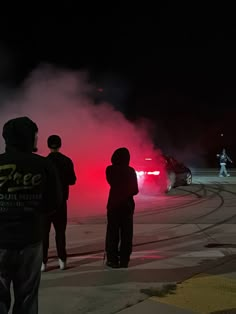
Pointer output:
x,y
177,68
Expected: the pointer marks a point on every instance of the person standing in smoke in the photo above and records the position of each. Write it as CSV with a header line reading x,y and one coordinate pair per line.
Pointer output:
x,y
223,159
29,189
120,209
65,169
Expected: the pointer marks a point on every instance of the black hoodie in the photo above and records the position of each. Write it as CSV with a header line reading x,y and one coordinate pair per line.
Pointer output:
x,y
29,186
122,180
65,170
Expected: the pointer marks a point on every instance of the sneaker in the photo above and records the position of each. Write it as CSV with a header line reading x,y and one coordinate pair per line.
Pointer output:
x,y
112,265
43,267
62,264
228,175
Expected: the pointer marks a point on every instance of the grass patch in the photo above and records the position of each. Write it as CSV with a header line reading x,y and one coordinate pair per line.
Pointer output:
x,y
160,292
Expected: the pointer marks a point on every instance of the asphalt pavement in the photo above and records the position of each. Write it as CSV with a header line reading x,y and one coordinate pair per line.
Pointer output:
x,y
183,261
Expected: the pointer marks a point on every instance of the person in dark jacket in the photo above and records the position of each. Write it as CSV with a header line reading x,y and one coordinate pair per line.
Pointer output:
x,y
223,159
65,169
29,190
120,209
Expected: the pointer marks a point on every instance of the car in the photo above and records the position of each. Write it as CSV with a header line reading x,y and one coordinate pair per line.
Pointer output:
x,y
162,174
178,173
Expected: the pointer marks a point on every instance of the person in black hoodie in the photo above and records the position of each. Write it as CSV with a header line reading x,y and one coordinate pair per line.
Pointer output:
x,y
120,209
29,189
65,169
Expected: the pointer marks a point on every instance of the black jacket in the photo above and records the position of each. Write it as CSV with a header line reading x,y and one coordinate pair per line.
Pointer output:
x,y
65,169
122,180
224,158
29,189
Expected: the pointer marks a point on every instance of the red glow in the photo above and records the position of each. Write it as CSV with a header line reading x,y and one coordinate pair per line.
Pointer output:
x,y
101,257
140,173
155,173
152,257
152,181
58,102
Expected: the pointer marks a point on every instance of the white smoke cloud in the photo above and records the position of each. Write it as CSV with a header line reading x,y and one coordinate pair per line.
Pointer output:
x,y
60,103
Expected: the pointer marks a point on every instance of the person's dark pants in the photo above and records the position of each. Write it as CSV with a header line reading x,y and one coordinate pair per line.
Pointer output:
x,y
59,222
119,237
23,269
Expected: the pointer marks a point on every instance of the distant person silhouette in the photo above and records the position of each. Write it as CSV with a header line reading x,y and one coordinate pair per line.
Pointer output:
x,y
65,169
120,209
223,159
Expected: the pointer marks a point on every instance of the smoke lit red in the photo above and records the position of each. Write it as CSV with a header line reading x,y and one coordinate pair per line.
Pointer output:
x,y
59,103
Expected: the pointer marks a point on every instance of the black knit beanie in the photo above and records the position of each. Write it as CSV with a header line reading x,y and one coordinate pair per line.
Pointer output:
x,y
20,134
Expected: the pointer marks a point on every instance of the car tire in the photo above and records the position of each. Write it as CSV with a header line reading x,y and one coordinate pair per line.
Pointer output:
x,y
189,178
170,181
